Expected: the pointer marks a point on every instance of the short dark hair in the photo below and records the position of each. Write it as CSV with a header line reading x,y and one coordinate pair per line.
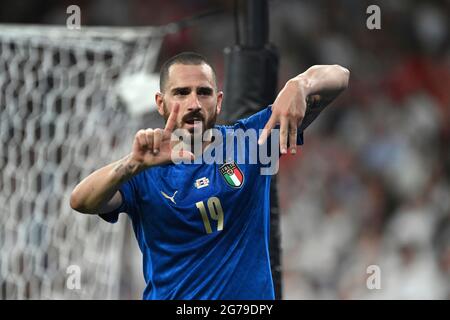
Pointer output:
x,y
187,58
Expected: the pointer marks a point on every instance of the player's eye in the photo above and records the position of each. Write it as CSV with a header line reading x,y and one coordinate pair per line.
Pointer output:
x,y
204,91
182,91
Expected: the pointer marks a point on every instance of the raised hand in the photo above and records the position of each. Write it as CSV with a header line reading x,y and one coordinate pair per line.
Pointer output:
x,y
152,147
288,111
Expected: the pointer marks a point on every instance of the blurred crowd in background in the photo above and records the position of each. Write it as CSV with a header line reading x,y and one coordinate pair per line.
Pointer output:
x,y
371,185
372,180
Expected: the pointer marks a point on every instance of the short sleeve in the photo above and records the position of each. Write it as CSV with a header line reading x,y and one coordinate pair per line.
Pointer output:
x,y
127,190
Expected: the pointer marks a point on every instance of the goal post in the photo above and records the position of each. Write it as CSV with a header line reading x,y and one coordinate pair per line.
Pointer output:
x,y
65,110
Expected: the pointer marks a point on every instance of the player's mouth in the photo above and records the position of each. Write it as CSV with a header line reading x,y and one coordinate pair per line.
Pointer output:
x,y
192,121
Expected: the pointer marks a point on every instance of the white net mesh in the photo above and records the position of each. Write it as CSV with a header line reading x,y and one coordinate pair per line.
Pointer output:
x,y
61,118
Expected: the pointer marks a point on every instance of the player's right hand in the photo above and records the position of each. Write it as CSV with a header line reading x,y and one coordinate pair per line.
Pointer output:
x,y
153,147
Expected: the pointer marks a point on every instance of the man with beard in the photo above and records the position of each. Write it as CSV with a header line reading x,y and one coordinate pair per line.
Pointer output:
x,y
203,229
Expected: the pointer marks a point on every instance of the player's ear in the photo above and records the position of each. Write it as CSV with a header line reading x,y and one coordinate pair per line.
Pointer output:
x,y
219,102
159,103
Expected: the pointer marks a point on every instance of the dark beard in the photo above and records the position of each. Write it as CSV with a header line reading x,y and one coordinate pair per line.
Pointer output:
x,y
210,123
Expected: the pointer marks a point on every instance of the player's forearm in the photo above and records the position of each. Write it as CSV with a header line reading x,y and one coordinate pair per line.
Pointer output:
x,y
93,193
324,80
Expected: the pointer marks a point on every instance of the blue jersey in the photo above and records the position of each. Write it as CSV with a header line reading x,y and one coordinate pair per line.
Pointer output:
x,y
203,229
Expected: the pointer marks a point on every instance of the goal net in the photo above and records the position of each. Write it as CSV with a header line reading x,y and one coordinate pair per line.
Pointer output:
x,y
64,112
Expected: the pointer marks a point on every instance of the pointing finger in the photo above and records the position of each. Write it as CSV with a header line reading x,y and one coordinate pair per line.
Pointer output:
x,y
293,136
172,120
267,129
284,124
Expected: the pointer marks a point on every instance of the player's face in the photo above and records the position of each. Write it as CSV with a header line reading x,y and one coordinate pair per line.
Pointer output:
x,y
194,88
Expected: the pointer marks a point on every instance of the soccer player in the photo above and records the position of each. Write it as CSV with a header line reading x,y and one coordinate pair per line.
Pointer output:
x,y
203,229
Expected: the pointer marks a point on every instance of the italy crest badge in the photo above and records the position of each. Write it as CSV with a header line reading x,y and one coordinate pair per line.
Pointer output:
x,y
232,174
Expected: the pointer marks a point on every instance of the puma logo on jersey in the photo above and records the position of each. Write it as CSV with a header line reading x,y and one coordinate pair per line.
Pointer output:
x,y
168,197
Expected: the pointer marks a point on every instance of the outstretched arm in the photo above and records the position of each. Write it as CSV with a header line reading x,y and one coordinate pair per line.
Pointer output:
x,y
302,99
98,193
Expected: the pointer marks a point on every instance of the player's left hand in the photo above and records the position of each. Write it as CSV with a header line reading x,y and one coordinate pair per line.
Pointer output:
x,y
288,111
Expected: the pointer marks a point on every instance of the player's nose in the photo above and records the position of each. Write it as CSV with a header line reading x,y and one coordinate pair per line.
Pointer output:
x,y
194,103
